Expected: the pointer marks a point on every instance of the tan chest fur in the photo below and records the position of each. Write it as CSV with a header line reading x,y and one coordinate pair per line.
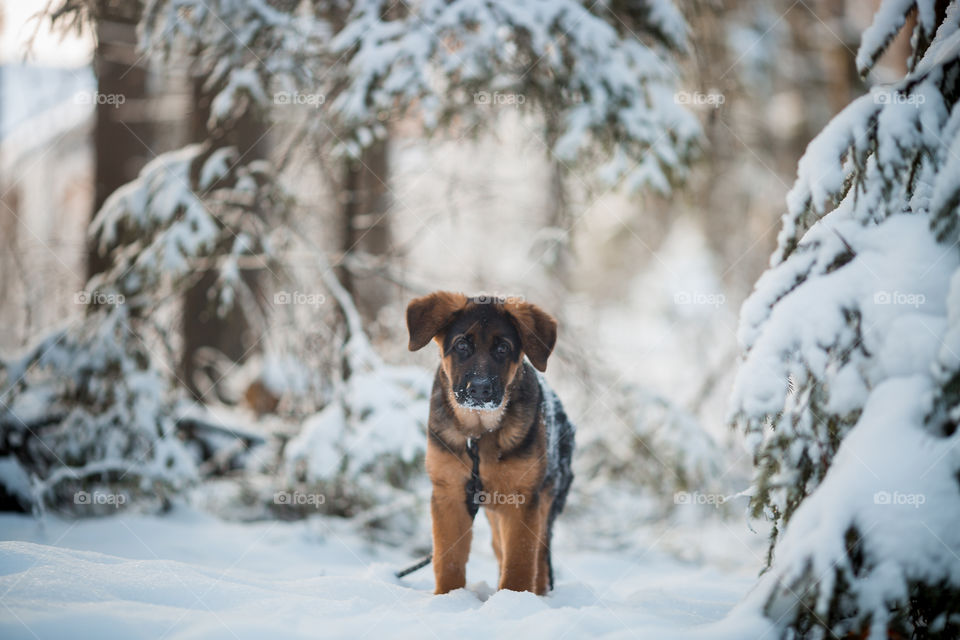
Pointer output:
x,y
451,466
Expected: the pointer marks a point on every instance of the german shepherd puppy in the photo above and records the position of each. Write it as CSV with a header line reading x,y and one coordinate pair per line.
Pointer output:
x,y
498,437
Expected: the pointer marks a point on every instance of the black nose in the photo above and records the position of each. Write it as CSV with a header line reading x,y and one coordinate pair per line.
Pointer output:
x,y
480,389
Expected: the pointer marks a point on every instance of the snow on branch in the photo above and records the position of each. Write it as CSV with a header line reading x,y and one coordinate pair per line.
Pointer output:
x,y
112,407
882,146
240,49
185,205
608,76
887,23
850,384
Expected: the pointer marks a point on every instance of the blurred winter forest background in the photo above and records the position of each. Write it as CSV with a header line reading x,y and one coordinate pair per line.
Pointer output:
x,y
213,213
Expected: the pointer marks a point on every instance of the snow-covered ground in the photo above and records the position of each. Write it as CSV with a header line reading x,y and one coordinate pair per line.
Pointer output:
x,y
189,575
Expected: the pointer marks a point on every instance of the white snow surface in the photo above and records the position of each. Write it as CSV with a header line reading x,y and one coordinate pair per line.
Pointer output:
x,y
189,575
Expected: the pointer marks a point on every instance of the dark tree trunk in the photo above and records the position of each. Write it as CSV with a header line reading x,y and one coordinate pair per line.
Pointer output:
x,y
839,65
365,201
231,334
557,248
123,132
366,227
558,217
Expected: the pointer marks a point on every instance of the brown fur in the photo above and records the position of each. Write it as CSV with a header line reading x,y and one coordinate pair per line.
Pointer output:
x,y
511,439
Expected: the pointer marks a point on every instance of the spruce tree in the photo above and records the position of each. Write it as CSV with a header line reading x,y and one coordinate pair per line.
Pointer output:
x,y
848,389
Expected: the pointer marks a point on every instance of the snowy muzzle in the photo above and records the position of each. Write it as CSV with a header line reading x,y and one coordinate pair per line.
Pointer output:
x,y
484,393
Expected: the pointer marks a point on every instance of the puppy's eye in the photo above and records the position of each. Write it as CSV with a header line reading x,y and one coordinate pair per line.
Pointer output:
x,y
502,349
462,346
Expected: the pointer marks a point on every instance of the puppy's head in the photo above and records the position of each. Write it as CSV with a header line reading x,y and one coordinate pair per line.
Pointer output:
x,y
482,342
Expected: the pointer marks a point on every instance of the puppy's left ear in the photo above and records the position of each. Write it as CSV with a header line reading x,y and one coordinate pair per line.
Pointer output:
x,y
429,315
537,329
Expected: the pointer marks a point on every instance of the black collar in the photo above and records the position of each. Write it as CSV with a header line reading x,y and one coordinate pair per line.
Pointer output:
x,y
474,486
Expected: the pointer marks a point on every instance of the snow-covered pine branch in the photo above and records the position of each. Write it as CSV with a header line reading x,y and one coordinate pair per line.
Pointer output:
x,y
244,50
604,68
87,407
101,388
848,391
890,18
185,205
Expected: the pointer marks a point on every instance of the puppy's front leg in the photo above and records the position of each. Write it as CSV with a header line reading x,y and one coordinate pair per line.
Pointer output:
x,y
522,532
452,533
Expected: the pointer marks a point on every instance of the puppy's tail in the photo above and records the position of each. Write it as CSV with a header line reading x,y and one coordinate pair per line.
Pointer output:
x,y
414,567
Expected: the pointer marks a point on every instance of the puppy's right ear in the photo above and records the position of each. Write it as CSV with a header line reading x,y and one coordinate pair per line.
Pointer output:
x,y
429,315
